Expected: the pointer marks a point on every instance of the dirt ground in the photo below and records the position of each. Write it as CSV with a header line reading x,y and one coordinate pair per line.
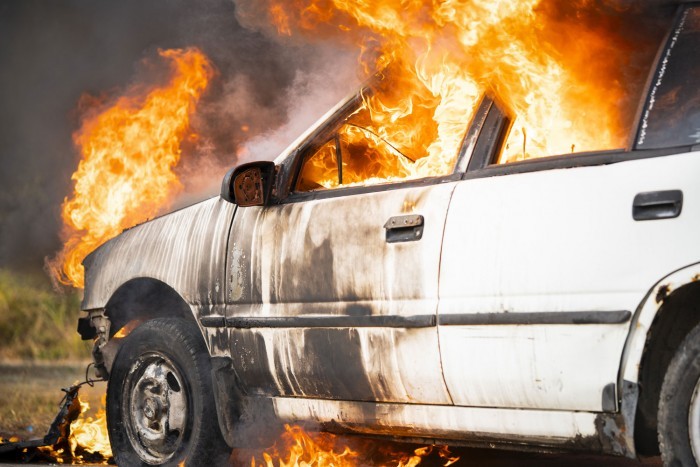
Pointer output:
x,y
30,394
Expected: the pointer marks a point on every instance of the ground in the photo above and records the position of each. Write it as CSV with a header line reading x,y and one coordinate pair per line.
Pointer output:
x,y
30,394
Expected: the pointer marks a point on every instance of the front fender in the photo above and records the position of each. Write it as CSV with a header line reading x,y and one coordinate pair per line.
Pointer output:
x,y
185,250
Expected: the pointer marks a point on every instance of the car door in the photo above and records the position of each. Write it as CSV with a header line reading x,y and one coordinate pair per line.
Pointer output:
x,y
323,306
545,261
333,293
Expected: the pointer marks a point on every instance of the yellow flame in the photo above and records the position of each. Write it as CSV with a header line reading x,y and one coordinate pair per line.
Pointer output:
x,y
303,449
90,433
128,152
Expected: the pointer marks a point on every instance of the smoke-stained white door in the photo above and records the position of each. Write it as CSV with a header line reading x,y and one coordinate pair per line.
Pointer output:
x,y
329,299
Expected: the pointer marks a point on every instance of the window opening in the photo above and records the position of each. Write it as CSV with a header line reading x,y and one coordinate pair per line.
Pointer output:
x,y
672,114
375,144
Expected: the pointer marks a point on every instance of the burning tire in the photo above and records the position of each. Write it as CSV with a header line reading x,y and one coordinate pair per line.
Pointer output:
x,y
679,405
160,405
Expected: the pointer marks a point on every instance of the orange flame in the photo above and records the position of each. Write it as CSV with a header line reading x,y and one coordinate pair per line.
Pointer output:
x,y
87,439
90,433
302,449
569,72
128,152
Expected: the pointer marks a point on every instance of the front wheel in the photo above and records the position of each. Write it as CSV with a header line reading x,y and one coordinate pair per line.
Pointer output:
x,y
679,405
160,404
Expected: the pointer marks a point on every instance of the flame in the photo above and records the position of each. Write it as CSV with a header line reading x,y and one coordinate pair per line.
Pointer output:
x,y
569,73
89,434
302,449
85,439
127,328
128,152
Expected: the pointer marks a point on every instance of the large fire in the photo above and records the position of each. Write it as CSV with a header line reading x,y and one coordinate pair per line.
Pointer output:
x,y
564,70
568,72
128,152
303,449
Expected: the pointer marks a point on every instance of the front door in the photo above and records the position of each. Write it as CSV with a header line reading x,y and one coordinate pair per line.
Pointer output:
x,y
333,291
329,299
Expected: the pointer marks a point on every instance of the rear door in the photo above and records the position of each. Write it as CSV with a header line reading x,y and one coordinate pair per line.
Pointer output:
x,y
540,275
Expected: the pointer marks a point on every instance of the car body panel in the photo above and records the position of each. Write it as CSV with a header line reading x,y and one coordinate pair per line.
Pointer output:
x,y
563,261
645,315
543,427
185,249
310,261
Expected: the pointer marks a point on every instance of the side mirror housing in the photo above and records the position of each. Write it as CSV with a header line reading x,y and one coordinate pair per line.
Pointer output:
x,y
249,184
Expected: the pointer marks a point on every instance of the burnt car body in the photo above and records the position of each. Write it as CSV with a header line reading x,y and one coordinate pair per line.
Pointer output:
x,y
535,303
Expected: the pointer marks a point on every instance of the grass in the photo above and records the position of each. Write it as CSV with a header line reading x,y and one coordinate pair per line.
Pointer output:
x,y
40,352
37,322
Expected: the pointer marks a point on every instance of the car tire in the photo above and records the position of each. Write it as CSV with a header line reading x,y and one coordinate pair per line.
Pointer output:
x,y
160,404
679,405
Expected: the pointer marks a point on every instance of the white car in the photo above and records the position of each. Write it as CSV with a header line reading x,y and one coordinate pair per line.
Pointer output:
x,y
552,302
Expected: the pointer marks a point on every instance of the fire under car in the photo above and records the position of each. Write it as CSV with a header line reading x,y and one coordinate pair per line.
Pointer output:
x,y
551,303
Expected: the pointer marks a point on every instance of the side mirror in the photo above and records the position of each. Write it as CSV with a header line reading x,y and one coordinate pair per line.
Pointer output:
x,y
249,184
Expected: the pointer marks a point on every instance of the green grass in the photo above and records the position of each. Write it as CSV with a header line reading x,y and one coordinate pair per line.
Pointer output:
x,y
38,322
40,351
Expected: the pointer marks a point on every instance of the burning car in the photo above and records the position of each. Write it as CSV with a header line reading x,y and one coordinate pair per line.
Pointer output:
x,y
492,297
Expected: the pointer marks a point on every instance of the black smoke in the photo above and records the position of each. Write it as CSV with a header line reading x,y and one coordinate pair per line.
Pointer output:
x,y
52,53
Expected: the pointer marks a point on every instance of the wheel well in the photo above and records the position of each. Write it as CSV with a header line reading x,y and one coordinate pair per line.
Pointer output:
x,y
678,314
142,299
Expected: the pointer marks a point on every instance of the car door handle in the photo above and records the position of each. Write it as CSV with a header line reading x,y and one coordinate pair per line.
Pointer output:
x,y
657,205
407,228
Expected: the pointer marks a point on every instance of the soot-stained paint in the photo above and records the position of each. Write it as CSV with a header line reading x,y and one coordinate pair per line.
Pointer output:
x,y
185,250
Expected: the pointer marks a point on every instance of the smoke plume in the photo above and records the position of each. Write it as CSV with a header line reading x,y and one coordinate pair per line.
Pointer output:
x,y
59,59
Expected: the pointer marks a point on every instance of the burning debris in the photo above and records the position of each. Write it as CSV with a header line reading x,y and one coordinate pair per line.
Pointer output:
x,y
73,437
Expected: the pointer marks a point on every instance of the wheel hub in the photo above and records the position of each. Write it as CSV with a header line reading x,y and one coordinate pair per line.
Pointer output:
x,y
157,408
152,409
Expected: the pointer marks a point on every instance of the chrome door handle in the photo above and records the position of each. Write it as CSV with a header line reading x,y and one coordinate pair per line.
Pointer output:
x,y
407,228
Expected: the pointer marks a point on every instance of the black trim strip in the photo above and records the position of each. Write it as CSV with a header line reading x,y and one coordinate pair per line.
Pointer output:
x,y
213,321
362,189
418,321
570,161
556,317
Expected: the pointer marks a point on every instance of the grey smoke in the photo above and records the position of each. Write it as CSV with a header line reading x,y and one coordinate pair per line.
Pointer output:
x,y
53,52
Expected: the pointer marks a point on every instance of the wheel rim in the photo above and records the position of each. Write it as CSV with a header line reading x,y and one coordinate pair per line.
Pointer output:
x,y
156,409
694,421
